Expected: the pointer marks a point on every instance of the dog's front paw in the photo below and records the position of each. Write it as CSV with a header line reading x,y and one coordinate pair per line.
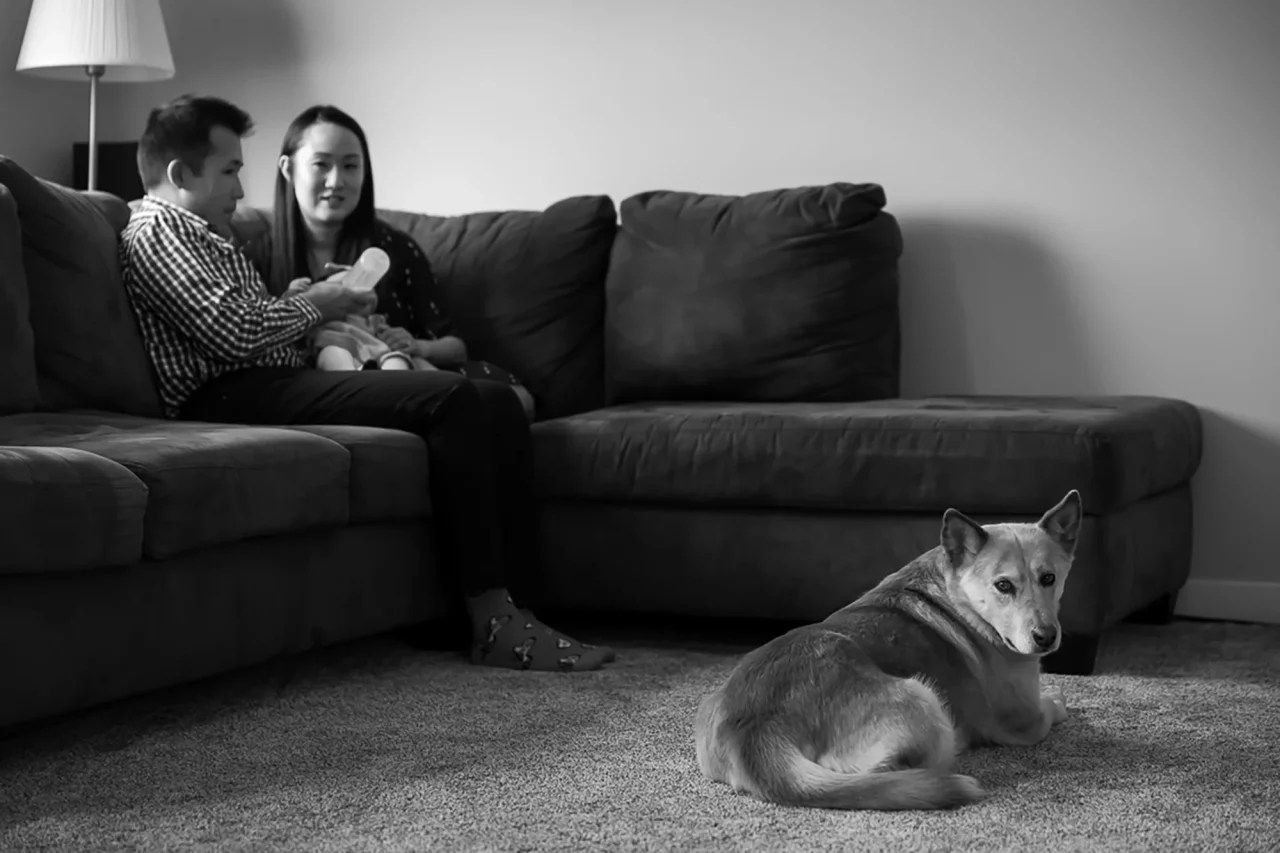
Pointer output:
x,y
1054,703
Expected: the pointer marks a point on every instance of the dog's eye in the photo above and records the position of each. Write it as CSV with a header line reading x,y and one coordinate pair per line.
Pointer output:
x,y
1004,585
1047,579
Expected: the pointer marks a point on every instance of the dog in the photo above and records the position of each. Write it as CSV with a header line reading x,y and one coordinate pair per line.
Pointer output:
x,y
869,708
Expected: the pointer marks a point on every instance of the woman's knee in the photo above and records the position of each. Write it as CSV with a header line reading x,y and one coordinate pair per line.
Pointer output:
x,y
503,405
490,412
462,404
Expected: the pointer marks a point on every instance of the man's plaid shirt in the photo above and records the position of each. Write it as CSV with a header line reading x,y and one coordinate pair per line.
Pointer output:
x,y
202,307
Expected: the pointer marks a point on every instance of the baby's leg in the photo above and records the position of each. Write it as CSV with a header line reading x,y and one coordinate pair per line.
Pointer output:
x,y
336,358
395,361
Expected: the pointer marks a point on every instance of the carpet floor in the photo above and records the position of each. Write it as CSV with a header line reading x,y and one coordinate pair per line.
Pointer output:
x,y
377,746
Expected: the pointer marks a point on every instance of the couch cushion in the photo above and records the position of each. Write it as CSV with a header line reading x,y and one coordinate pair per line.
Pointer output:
x,y
782,296
251,234
89,352
388,471
19,391
113,208
978,454
207,484
64,509
525,290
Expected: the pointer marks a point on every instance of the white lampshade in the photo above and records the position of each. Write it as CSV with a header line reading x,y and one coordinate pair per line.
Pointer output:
x,y
126,38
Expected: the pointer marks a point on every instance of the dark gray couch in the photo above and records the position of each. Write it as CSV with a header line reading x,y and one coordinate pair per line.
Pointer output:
x,y
720,434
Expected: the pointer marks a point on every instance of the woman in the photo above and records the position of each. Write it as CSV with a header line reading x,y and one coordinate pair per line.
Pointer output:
x,y
324,218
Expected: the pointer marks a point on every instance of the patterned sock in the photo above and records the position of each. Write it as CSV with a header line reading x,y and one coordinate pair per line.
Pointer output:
x,y
505,636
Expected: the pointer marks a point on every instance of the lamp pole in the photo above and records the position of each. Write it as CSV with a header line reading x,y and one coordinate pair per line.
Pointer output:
x,y
94,72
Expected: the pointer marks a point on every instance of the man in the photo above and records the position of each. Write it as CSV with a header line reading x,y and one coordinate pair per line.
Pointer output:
x,y
226,351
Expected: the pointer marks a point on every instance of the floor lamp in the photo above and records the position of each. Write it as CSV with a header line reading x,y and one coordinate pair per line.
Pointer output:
x,y
110,41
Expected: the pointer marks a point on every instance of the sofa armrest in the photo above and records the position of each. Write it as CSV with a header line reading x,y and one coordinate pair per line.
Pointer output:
x,y
63,509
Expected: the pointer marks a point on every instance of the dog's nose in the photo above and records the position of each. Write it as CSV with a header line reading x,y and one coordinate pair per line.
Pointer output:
x,y
1044,638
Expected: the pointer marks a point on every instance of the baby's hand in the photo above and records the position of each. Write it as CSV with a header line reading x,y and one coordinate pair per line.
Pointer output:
x,y
297,286
397,338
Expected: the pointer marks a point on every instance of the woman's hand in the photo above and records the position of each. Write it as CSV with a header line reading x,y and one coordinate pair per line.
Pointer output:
x,y
397,338
442,351
296,287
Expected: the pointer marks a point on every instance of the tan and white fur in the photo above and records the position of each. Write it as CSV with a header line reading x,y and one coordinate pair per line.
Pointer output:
x,y
869,708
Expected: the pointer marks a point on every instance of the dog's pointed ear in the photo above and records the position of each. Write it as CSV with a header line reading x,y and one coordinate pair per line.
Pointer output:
x,y
1062,523
961,537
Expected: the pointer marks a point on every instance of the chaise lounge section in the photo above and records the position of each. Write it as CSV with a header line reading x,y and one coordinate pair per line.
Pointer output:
x,y
788,511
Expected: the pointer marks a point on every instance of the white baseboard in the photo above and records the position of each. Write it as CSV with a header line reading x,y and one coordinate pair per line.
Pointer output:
x,y
1235,601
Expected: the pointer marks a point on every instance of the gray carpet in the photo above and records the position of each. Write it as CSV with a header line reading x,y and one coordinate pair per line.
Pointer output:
x,y
376,746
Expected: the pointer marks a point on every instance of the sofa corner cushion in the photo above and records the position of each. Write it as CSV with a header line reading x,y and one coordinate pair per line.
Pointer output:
x,y
525,290
19,390
777,296
66,509
113,208
88,348
208,484
388,471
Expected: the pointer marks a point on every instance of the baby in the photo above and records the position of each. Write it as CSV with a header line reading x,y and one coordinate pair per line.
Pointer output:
x,y
356,343
369,342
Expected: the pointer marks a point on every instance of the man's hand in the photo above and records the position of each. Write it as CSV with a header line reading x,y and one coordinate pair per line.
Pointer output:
x,y
397,338
334,302
336,272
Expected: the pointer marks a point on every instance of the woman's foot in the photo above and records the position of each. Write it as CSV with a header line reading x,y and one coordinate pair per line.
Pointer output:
x,y
505,636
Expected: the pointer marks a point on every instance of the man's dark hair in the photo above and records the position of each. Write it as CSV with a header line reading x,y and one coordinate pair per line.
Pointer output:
x,y
179,130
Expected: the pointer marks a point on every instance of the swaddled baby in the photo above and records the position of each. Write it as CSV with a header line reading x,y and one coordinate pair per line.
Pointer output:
x,y
370,342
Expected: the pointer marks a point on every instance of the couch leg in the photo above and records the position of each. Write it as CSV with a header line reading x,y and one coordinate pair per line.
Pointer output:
x,y
1158,612
1076,656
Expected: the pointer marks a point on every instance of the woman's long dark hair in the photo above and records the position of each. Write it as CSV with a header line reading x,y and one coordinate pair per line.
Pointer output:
x,y
288,232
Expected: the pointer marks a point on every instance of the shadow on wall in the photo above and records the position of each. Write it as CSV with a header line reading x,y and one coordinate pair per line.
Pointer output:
x,y
212,39
245,51
986,309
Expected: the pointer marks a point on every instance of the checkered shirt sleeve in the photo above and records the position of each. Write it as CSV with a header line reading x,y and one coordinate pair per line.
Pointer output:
x,y
201,305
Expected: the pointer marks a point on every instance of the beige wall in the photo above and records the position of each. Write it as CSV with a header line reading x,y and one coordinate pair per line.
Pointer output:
x,y
39,119
1089,190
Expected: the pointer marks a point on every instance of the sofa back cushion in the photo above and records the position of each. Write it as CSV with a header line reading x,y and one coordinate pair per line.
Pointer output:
x,y
786,295
525,290
89,352
19,391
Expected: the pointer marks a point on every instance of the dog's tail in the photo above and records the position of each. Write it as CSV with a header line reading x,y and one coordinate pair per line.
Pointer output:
x,y
780,773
